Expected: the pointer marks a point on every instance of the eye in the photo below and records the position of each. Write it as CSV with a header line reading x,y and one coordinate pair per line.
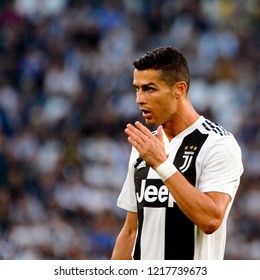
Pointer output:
x,y
148,89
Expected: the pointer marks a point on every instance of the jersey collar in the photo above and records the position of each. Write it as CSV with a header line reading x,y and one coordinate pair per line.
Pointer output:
x,y
187,131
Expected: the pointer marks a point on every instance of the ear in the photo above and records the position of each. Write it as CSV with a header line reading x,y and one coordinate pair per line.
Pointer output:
x,y
181,89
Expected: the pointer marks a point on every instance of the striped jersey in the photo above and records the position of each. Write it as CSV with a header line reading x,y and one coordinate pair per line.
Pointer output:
x,y
210,159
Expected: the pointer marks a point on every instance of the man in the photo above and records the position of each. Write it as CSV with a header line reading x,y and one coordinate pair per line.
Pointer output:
x,y
183,178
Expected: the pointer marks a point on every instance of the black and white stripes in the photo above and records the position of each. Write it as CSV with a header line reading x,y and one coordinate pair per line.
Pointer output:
x,y
211,126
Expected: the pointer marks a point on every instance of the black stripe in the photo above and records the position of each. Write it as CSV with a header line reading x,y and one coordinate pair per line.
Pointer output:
x,y
206,127
211,126
220,131
196,138
140,174
137,249
179,236
138,161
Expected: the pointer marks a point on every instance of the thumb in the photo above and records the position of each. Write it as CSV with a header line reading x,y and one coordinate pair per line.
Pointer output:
x,y
160,134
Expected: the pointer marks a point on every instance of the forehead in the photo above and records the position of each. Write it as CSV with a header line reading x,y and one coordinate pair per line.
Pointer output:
x,y
145,77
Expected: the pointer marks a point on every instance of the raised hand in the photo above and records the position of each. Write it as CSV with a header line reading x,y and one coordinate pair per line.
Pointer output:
x,y
150,147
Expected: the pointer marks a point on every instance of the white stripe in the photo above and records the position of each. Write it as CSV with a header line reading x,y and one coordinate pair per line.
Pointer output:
x,y
153,248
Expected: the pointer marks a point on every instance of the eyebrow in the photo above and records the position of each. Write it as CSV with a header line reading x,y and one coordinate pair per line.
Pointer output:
x,y
145,85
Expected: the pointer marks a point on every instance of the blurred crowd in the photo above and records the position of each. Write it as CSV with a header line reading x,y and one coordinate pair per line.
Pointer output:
x,y
66,95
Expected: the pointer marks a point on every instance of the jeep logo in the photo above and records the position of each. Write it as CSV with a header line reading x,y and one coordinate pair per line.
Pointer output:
x,y
155,194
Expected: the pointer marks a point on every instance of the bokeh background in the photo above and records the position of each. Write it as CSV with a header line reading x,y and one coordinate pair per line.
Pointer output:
x,y
66,95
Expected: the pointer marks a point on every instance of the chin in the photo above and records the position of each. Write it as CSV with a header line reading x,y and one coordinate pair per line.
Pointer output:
x,y
151,122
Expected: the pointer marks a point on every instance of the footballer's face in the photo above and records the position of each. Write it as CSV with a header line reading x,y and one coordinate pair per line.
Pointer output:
x,y
156,100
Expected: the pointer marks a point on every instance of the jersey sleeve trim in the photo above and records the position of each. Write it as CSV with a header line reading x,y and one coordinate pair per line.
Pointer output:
x,y
125,206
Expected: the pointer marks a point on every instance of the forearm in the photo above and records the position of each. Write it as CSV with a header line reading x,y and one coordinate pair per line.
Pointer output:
x,y
126,238
124,246
199,207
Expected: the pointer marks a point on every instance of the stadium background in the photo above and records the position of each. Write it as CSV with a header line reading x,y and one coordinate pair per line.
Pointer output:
x,y
65,97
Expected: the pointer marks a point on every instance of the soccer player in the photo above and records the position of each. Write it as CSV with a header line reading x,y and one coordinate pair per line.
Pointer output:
x,y
182,179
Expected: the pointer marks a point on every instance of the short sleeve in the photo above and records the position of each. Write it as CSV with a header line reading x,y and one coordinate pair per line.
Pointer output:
x,y
221,168
127,197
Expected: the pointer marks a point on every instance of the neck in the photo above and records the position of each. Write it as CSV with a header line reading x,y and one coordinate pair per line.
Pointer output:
x,y
181,120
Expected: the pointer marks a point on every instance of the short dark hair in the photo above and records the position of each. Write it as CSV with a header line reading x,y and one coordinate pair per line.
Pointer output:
x,y
172,64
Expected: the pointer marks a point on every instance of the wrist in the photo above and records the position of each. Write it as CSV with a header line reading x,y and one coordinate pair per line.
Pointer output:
x,y
166,170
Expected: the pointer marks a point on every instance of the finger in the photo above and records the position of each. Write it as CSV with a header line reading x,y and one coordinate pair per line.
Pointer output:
x,y
134,140
134,144
146,132
135,133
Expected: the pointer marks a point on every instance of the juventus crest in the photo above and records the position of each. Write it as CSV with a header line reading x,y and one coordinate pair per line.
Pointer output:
x,y
187,156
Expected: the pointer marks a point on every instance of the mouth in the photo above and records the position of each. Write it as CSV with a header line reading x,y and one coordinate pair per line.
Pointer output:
x,y
146,113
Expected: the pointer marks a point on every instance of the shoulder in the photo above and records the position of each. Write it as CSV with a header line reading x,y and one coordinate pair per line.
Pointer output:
x,y
219,139
217,134
213,129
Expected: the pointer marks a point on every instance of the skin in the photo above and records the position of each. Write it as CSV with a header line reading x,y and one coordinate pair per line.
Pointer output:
x,y
171,110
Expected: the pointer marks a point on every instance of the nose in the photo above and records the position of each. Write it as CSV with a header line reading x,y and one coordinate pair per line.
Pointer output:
x,y
140,97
